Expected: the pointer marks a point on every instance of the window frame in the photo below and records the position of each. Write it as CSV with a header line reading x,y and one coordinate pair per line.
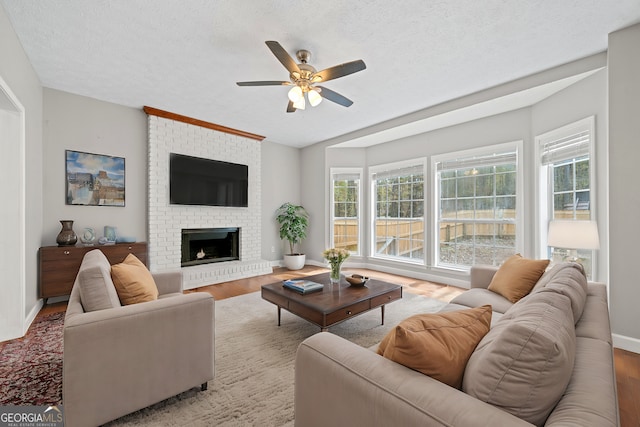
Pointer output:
x,y
420,162
351,171
545,190
515,146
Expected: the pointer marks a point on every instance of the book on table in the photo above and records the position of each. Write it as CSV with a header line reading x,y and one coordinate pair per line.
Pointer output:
x,y
302,286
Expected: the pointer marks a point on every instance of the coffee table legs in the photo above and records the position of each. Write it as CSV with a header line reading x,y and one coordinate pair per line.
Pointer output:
x,y
279,315
382,311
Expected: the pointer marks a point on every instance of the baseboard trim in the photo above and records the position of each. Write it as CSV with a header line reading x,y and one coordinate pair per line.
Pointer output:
x,y
31,316
626,343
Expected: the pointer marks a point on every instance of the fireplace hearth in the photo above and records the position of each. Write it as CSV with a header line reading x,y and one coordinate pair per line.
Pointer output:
x,y
209,245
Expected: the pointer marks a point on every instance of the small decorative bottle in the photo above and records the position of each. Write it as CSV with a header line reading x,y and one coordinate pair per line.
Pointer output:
x,y
66,237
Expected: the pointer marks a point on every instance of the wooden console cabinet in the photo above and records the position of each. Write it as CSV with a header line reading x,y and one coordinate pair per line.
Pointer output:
x,y
59,265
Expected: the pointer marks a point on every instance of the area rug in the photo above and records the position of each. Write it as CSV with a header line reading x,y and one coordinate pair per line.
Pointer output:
x,y
254,364
31,367
254,376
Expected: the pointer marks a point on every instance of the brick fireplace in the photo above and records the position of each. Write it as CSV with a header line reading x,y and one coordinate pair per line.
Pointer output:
x,y
166,222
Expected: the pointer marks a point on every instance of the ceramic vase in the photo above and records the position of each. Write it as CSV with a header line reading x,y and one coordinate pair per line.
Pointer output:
x,y
66,237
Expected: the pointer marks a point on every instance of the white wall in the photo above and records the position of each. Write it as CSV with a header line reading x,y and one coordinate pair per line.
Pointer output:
x,y
624,191
18,74
73,122
280,183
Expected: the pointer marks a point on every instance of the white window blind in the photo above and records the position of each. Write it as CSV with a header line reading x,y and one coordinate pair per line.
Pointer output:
x,y
494,159
394,173
572,146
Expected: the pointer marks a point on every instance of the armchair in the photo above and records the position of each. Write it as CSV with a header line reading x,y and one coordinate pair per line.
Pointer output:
x,y
122,359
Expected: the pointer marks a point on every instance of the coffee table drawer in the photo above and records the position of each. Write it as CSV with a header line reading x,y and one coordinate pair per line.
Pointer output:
x,y
305,312
386,298
345,313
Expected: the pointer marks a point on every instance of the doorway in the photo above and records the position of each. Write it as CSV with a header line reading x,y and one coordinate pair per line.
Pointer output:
x,y
12,216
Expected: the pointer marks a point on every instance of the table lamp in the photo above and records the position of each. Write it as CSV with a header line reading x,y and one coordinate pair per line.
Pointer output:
x,y
573,235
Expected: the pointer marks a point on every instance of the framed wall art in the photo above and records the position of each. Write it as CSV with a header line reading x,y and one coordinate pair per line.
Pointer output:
x,y
94,179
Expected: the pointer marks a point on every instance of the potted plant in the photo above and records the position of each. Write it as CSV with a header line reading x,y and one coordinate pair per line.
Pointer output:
x,y
293,220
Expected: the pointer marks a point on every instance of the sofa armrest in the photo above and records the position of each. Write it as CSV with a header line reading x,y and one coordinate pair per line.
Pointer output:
x,y
135,355
168,282
480,275
340,383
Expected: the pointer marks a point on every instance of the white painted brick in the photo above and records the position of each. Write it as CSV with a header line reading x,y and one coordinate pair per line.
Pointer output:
x,y
165,222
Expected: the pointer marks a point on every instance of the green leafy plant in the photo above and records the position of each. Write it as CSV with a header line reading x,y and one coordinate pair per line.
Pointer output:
x,y
294,221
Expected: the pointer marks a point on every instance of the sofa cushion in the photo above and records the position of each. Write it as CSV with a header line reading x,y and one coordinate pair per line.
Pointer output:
x,y
476,297
517,276
567,278
134,283
94,283
439,344
524,363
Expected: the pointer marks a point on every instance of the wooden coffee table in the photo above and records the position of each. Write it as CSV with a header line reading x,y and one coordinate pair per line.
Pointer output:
x,y
333,304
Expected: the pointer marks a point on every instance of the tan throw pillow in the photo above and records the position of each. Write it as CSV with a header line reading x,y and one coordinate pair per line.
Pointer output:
x,y
439,344
94,283
517,276
524,363
134,283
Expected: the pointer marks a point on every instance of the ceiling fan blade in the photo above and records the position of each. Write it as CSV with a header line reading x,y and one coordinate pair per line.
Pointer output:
x,y
334,96
264,83
339,71
283,56
290,107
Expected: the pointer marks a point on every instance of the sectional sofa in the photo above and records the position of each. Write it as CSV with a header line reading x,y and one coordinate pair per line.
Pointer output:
x,y
546,360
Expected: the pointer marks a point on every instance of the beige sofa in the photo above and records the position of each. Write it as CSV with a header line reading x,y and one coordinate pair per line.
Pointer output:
x,y
340,383
119,360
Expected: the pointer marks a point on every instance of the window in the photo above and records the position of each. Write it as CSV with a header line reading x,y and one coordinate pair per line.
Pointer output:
x,y
345,212
398,207
567,182
476,206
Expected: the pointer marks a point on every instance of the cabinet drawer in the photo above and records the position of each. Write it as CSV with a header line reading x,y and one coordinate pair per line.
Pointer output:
x,y
345,313
386,298
275,298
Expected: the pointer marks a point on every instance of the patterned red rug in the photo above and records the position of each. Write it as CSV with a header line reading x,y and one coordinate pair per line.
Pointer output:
x,y
31,367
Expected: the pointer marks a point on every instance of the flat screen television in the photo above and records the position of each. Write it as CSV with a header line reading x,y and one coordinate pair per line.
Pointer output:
x,y
198,181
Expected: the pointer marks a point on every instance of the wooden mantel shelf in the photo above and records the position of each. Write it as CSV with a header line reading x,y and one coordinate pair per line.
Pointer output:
x,y
179,118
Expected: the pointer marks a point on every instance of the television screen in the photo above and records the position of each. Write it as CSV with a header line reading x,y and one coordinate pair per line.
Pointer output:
x,y
198,181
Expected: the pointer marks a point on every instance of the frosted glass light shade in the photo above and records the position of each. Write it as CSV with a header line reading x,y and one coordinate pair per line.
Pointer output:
x,y
314,97
299,104
573,234
295,94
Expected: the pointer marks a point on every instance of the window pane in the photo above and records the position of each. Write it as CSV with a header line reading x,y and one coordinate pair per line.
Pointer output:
x,y
582,175
448,188
399,223
345,214
466,186
483,229
563,177
484,185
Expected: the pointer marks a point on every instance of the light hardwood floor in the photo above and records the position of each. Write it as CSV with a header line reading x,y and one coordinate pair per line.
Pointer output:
x,y
627,363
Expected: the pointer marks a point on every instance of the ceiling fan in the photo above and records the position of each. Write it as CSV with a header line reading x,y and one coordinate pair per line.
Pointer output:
x,y
304,78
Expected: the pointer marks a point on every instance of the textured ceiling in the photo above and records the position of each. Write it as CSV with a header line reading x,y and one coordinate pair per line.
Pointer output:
x,y
185,56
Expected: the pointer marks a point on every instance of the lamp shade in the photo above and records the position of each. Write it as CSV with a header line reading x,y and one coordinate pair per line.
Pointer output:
x,y
314,97
295,94
573,234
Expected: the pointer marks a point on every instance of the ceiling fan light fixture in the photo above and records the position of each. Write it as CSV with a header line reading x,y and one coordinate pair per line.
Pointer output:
x,y
295,95
314,97
299,104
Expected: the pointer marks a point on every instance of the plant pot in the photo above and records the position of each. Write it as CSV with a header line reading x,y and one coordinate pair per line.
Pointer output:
x,y
294,261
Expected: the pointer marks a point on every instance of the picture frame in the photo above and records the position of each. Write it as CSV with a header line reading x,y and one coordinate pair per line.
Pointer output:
x,y
94,179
